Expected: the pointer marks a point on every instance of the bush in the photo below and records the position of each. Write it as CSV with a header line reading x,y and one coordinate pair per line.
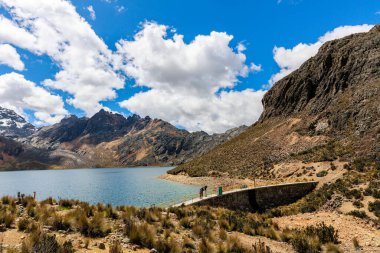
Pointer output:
x,y
23,224
359,214
6,200
322,173
141,234
67,203
306,244
97,227
185,222
102,246
358,204
67,247
374,207
6,218
40,242
59,223
324,233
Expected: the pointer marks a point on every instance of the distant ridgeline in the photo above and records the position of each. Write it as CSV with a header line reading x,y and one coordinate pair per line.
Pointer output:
x,y
104,140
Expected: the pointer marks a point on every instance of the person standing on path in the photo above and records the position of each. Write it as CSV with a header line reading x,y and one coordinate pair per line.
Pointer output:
x,y
201,193
205,190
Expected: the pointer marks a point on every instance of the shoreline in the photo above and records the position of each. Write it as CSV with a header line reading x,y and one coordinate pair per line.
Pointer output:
x,y
84,168
213,183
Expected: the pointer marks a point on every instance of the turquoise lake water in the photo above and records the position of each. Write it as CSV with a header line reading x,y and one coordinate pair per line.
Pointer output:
x,y
119,186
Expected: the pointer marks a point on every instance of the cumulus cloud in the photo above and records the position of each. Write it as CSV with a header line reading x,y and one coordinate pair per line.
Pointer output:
x,y
19,94
188,82
290,59
10,57
55,28
90,8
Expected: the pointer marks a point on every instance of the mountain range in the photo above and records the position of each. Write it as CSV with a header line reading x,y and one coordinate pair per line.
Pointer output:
x,y
105,140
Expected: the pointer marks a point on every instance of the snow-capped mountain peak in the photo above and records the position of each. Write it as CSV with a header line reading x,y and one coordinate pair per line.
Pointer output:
x,y
14,125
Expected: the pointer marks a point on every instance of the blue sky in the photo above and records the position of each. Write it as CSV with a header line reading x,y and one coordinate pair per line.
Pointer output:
x,y
259,25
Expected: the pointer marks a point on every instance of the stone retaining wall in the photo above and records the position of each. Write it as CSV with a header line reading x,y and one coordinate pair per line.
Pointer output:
x,y
260,198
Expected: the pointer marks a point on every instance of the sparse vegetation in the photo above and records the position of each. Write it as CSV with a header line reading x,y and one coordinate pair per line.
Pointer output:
x,y
322,173
374,207
359,214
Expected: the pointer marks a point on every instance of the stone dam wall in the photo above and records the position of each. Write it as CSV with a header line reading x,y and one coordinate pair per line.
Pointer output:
x,y
259,198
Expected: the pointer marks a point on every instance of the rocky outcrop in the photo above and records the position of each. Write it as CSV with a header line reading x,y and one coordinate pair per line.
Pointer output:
x,y
326,109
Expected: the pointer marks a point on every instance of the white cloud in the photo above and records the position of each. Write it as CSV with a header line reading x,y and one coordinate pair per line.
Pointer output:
x,y
10,57
54,28
90,8
186,81
291,59
19,94
255,68
120,8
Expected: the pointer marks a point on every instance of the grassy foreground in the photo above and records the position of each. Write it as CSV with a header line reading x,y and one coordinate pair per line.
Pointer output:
x,y
188,229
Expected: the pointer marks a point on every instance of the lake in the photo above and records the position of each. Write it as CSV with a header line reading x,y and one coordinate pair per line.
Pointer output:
x,y
117,186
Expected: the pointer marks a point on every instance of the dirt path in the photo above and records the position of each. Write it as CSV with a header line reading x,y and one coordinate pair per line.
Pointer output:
x,y
348,228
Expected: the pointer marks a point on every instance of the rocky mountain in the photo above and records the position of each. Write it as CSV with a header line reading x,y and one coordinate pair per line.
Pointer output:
x,y
107,140
327,109
13,125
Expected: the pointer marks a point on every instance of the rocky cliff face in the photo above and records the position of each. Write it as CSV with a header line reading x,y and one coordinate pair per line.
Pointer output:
x,y
106,140
331,104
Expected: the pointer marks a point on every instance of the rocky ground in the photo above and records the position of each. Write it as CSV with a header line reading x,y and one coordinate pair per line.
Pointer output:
x,y
348,228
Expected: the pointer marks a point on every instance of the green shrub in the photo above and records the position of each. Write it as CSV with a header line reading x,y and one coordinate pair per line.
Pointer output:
x,y
305,244
359,214
324,233
140,233
322,173
67,203
40,242
374,207
358,204
67,247
6,200
23,224
59,223
102,246
6,218
355,193
185,222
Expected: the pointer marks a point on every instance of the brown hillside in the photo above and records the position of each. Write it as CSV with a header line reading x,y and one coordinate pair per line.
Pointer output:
x,y
329,108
